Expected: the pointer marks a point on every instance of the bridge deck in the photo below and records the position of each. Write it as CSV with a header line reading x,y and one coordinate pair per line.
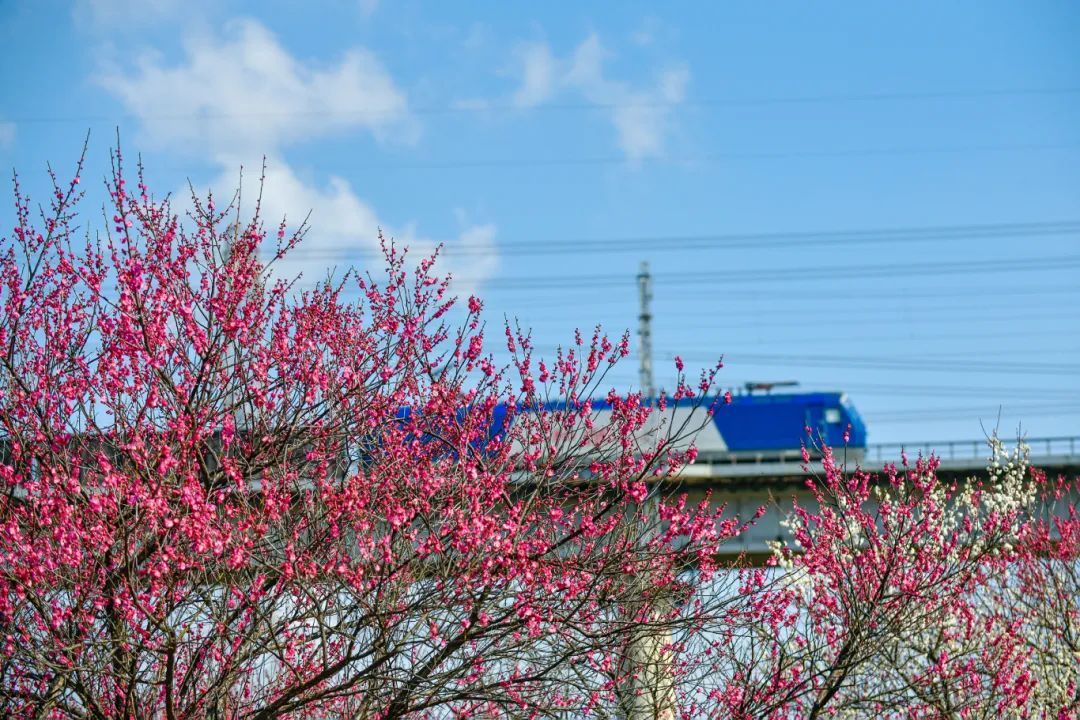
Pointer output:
x,y
1052,454
744,485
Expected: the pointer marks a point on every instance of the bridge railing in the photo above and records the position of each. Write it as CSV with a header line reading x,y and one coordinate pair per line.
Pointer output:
x,y
1061,445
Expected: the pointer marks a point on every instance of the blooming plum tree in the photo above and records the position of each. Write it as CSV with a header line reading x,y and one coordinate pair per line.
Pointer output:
x,y
903,596
225,495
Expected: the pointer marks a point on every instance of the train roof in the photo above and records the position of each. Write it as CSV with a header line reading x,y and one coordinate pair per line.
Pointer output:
x,y
805,398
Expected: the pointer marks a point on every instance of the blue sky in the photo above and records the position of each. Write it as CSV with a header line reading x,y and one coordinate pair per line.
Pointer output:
x,y
873,197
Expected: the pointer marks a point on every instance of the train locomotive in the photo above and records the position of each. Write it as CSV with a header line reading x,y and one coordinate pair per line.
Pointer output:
x,y
777,427
760,426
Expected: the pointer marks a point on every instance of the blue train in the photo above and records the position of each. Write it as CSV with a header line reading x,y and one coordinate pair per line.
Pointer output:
x,y
762,427
775,425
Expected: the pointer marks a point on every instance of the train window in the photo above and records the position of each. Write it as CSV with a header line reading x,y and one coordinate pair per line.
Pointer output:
x,y
832,416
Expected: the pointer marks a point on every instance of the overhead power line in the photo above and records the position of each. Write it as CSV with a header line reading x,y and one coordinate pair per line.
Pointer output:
x,y
662,243
984,411
695,160
699,158
822,273
1030,415
728,319
832,296
626,376
894,389
976,362
896,363
678,304
836,323
488,106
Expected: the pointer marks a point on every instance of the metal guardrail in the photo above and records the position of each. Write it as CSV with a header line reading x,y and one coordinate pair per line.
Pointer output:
x,y
1062,445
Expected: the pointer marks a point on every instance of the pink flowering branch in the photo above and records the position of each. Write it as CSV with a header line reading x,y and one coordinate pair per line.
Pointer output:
x,y
225,496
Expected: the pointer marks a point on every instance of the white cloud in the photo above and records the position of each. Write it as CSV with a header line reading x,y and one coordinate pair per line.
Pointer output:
x,y
248,93
537,75
478,259
641,118
368,7
344,229
7,135
587,65
240,98
640,115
